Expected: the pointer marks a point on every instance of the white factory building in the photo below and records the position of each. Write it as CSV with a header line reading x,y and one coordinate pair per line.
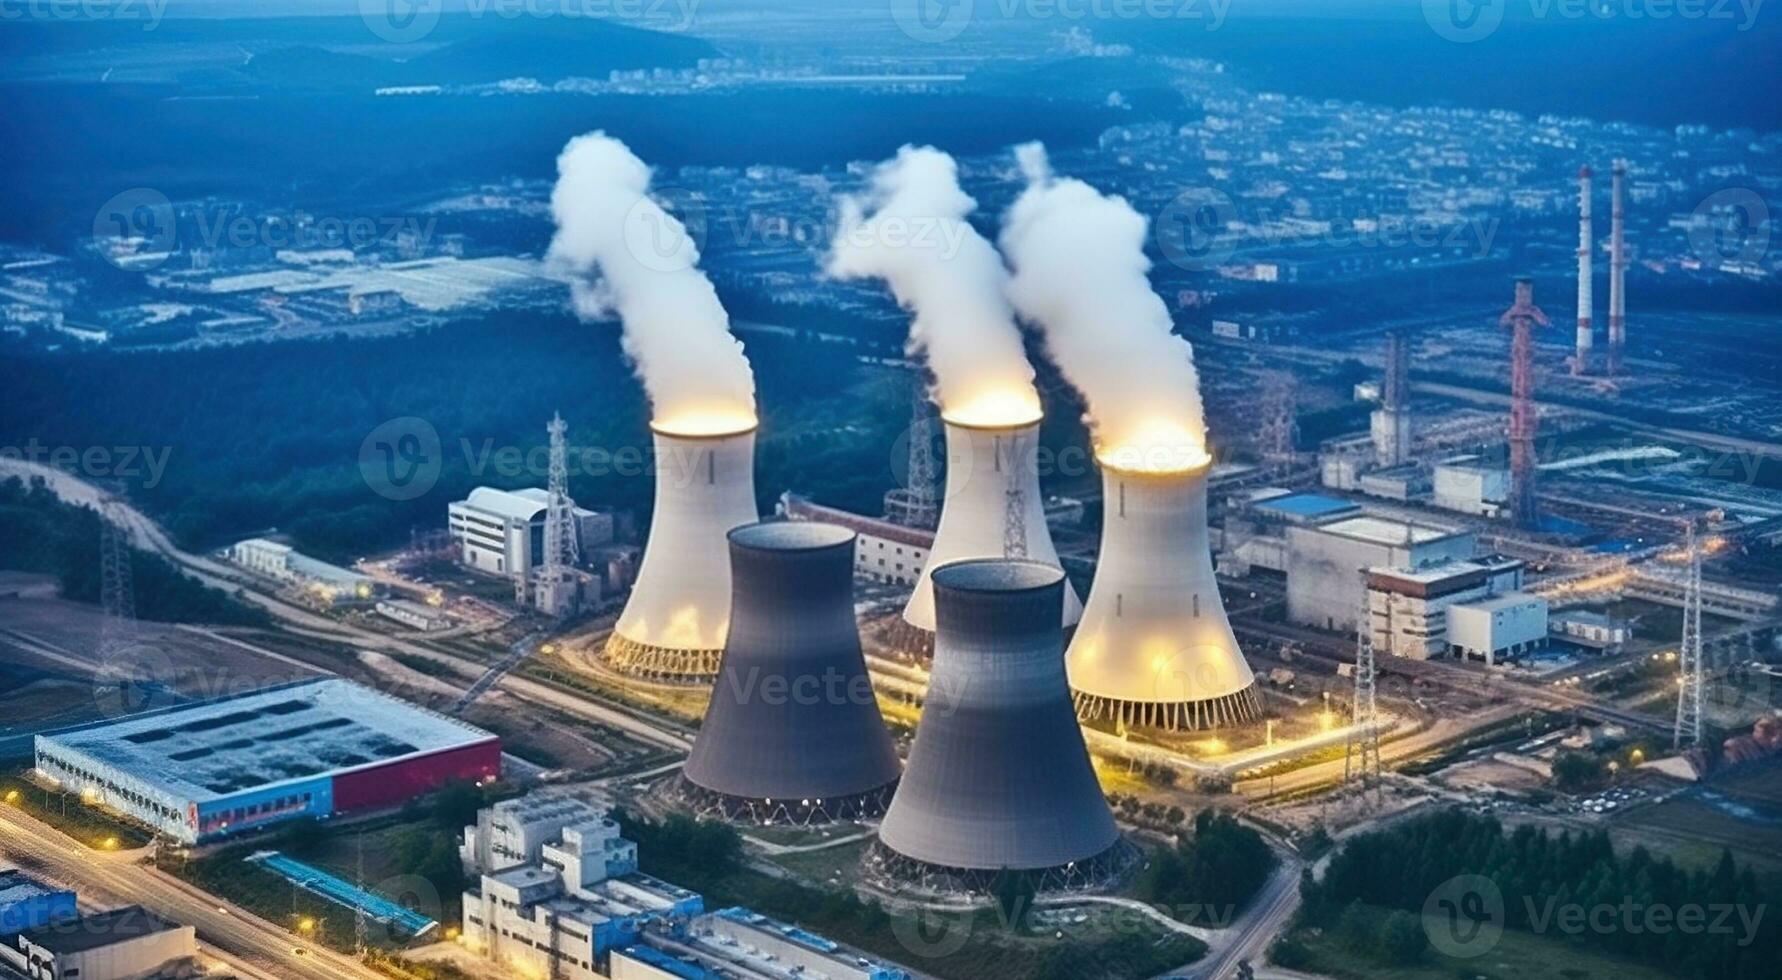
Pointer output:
x,y
414,615
279,561
883,551
1325,562
501,532
1500,628
1471,485
1408,607
120,944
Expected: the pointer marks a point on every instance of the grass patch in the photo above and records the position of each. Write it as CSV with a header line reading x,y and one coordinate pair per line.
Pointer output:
x,y
92,825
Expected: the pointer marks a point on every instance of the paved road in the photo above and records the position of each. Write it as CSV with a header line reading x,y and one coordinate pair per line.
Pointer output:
x,y
258,948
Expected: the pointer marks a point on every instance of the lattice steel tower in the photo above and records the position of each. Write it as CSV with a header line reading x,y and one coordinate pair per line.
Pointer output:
x,y
117,592
1522,317
1690,675
1361,753
915,504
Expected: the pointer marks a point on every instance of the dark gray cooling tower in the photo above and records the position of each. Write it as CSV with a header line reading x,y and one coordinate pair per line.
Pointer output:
x,y
998,776
793,733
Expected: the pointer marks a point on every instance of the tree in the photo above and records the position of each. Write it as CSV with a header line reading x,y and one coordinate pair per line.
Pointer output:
x,y
1014,891
1402,939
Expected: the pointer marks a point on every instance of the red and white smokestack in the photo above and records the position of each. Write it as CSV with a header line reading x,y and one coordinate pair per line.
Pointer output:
x,y
1581,360
1617,270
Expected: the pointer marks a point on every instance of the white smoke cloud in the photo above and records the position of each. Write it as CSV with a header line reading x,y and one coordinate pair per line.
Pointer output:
x,y
631,257
1079,275
909,229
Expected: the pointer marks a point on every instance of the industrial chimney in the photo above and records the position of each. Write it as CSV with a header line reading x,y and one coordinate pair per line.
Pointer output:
x,y
992,509
1154,648
1617,269
674,624
998,776
793,734
1390,424
1586,242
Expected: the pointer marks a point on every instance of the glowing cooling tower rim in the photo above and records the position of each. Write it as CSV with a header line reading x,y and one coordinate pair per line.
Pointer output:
x,y
674,624
984,462
998,775
1154,646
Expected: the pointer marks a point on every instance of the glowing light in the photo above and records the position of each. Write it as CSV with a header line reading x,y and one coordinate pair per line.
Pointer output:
x,y
706,422
12,796
1157,446
306,924
109,843
996,409
1326,721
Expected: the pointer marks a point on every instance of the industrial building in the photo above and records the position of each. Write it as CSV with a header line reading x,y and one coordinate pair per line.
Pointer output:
x,y
674,623
1154,647
1255,528
884,551
414,615
121,944
1499,628
26,903
501,532
514,832
1408,607
307,749
328,583
1590,629
1471,485
793,732
998,776
988,466
1325,562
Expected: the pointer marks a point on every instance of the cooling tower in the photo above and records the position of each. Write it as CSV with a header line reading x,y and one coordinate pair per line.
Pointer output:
x,y
1154,647
984,464
998,776
674,623
793,734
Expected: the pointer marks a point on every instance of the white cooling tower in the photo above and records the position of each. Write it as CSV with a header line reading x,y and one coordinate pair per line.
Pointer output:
x,y
1154,647
984,463
675,622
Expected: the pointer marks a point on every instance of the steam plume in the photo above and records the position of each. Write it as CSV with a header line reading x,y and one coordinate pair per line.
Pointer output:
x,y
1079,275
631,257
909,229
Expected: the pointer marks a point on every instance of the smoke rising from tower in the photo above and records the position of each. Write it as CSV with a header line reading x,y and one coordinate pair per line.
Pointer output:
x,y
633,258
1079,273
909,229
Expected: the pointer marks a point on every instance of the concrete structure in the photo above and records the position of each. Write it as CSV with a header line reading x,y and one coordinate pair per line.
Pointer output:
x,y
884,551
514,832
308,749
793,732
562,914
26,903
1498,628
1407,607
1521,318
674,624
1586,245
1590,629
1408,481
985,465
1390,424
328,583
1154,647
1324,563
998,776
1471,485
501,532
415,615
798,952
122,944
1617,269
1255,531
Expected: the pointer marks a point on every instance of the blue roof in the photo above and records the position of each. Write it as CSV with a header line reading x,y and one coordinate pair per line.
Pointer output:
x,y
666,963
1306,505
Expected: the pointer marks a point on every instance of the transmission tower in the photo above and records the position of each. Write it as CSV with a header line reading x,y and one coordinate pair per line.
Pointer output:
x,y
1361,753
914,504
117,591
556,576
1280,425
1689,655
